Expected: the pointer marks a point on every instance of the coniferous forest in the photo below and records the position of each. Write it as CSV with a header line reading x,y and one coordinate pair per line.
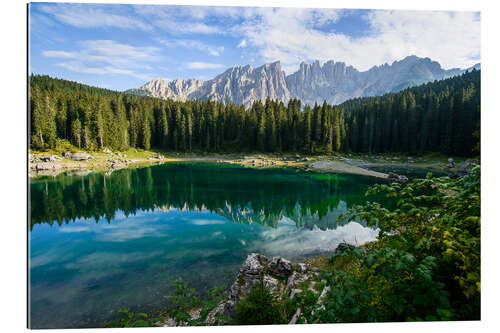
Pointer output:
x,y
441,116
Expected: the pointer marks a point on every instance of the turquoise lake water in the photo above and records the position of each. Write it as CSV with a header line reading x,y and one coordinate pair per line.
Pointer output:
x,y
104,241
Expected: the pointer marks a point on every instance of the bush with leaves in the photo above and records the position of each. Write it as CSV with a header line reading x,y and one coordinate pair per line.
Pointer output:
x,y
259,307
425,264
132,319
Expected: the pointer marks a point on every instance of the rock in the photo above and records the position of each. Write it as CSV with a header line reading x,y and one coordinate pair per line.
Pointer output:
x,y
107,150
50,158
295,317
170,322
396,177
450,160
297,156
211,316
280,267
195,314
272,284
118,165
78,156
296,278
306,159
294,292
47,166
466,166
272,272
450,165
403,179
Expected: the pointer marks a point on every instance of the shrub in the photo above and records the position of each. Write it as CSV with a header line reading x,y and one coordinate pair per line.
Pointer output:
x,y
257,308
425,264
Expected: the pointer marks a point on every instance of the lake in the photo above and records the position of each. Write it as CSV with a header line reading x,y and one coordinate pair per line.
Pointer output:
x,y
103,241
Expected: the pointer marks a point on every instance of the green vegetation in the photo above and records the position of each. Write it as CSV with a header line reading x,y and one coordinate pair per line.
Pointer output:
x,y
436,117
132,319
425,264
180,305
260,308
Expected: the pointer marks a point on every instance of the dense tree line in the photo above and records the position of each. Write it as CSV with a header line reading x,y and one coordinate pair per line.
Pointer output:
x,y
438,116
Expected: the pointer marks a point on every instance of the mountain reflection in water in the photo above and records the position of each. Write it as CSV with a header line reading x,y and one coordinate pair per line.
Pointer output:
x,y
242,195
101,242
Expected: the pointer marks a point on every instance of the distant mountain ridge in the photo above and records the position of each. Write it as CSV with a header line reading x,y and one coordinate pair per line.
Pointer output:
x,y
334,82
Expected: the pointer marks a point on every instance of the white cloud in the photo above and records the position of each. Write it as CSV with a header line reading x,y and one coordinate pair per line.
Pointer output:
x,y
59,54
451,38
243,43
203,65
193,44
109,57
92,16
180,19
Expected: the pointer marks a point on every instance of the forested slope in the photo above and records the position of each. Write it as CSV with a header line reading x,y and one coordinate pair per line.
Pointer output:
x,y
436,117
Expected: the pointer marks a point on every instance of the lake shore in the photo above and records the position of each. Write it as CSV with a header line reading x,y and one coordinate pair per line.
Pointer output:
x,y
53,163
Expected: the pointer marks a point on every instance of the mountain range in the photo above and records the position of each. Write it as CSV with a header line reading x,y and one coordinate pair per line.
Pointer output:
x,y
334,82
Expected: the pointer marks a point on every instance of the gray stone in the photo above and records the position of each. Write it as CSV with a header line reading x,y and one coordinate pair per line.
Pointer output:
x,y
280,267
465,167
396,177
47,166
294,292
78,156
296,279
295,317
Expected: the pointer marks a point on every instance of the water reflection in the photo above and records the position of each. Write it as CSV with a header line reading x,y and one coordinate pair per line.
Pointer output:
x,y
240,194
100,242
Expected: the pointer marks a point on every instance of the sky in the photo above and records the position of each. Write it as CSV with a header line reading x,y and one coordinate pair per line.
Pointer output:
x,y
120,47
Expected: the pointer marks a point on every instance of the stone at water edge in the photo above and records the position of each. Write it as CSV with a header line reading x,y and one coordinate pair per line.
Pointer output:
x,y
78,156
257,266
280,266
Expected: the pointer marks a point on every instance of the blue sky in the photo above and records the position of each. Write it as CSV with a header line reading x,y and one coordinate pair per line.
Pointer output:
x,y
124,46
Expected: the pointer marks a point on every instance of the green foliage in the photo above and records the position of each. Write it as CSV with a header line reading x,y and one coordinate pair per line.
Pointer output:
x,y
439,116
185,299
132,319
425,264
182,300
260,308
257,307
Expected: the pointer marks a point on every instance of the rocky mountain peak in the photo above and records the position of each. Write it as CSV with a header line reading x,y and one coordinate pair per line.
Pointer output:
x,y
312,83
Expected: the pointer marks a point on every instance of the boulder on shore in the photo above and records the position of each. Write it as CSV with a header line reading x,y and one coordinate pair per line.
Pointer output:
x,y
398,178
272,272
466,166
78,156
47,166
